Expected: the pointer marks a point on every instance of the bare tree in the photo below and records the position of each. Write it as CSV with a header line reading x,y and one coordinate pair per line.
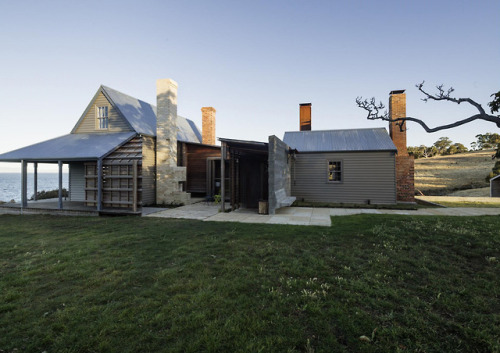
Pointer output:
x,y
375,110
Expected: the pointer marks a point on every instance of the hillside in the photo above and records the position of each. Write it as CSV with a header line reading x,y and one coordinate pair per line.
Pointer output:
x,y
444,175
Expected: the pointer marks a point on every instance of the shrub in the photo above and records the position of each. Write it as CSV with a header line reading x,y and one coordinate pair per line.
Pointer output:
x,y
51,194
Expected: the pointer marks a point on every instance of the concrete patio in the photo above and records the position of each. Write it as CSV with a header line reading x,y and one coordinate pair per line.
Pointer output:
x,y
304,215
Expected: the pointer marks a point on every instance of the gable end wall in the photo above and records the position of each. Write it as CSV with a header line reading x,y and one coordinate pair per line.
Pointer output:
x,y
116,122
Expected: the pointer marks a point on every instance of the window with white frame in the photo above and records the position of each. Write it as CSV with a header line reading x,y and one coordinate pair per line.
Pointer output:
x,y
334,171
102,117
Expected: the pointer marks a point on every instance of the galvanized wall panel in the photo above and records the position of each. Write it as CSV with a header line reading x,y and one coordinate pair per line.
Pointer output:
x,y
365,176
116,122
148,170
76,182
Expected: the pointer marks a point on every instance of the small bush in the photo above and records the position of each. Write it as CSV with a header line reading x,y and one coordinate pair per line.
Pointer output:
x,y
51,194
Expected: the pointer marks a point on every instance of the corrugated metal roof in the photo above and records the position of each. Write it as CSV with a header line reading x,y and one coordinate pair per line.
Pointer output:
x,y
141,116
69,147
340,140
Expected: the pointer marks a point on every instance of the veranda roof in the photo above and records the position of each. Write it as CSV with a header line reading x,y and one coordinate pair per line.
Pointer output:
x,y
71,147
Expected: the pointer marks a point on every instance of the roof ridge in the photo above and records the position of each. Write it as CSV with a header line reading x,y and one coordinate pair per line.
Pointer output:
x,y
363,128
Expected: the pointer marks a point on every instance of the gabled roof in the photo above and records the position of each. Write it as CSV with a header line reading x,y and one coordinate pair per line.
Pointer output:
x,y
141,116
70,147
340,140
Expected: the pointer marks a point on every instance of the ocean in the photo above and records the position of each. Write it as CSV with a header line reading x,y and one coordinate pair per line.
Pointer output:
x,y
10,184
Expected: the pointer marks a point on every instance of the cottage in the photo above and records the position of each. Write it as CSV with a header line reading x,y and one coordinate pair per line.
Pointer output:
x,y
360,166
124,152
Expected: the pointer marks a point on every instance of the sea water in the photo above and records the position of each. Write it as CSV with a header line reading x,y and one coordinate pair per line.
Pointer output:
x,y
10,184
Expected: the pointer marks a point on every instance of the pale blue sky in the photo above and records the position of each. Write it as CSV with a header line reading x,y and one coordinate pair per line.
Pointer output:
x,y
254,61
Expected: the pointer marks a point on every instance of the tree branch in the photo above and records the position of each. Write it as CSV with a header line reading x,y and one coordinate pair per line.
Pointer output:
x,y
442,95
374,110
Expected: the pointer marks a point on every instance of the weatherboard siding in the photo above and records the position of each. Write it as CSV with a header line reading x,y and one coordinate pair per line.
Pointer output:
x,y
148,170
365,176
76,182
116,123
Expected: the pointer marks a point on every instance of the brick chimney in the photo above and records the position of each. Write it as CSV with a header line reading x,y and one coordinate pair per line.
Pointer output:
x,y
208,125
169,177
305,116
397,130
405,179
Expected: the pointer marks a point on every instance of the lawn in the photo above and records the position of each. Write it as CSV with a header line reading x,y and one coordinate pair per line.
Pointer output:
x,y
369,283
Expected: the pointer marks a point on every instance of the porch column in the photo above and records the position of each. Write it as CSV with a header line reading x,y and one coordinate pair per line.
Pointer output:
x,y
24,184
99,185
60,164
222,177
35,180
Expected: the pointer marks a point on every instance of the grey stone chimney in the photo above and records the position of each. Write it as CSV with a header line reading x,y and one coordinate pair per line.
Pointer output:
x,y
170,179
166,122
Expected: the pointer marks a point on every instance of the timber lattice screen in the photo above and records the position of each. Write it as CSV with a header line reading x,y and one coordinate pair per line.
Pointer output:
x,y
117,177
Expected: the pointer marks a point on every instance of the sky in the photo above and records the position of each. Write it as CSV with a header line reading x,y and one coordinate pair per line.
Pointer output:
x,y
253,61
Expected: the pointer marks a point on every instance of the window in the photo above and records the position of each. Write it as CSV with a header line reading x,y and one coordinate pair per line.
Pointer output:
x,y
334,171
102,117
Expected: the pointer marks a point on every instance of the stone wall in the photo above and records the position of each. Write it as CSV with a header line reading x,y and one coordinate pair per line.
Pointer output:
x,y
169,177
279,170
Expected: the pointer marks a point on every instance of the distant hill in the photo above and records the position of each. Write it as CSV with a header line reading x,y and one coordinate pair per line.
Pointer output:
x,y
444,175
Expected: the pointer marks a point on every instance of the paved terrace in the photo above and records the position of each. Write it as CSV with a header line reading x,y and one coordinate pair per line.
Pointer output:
x,y
210,212
304,215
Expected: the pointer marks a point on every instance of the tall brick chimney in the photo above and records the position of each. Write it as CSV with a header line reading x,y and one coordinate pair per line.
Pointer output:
x,y
405,180
208,125
169,177
397,130
305,116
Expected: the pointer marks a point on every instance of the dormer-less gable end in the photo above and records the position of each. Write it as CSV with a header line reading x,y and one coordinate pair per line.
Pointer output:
x,y
101,116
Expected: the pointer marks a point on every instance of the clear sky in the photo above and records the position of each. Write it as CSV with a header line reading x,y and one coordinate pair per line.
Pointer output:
x,y
254,61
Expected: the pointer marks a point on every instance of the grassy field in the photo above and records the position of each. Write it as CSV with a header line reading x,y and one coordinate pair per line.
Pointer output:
x,y
443,175
369,283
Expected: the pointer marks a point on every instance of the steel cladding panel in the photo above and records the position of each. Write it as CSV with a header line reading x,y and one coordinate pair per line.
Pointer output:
x,y
76,182
365,176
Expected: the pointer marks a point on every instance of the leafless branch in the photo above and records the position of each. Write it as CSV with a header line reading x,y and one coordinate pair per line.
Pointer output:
x,y
374,110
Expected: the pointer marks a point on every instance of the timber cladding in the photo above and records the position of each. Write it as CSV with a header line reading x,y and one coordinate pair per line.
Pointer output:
x,y
366,177
116,123
148,170
196,163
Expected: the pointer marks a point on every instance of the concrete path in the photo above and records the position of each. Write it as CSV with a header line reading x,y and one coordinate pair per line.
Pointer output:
x,y
304,215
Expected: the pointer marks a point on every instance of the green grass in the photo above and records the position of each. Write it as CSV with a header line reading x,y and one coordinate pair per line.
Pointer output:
x,y
409,284
468,204
399,206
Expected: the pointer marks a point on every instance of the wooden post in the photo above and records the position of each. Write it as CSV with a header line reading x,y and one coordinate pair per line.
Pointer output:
x,y
134,187
24,184
222,177
99,185
60,164
35,180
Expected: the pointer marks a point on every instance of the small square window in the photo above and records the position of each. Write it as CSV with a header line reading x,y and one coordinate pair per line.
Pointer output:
x,y
334,171
102,117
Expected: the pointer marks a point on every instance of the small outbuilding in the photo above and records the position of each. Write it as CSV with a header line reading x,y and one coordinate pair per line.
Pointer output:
x,y
495,186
